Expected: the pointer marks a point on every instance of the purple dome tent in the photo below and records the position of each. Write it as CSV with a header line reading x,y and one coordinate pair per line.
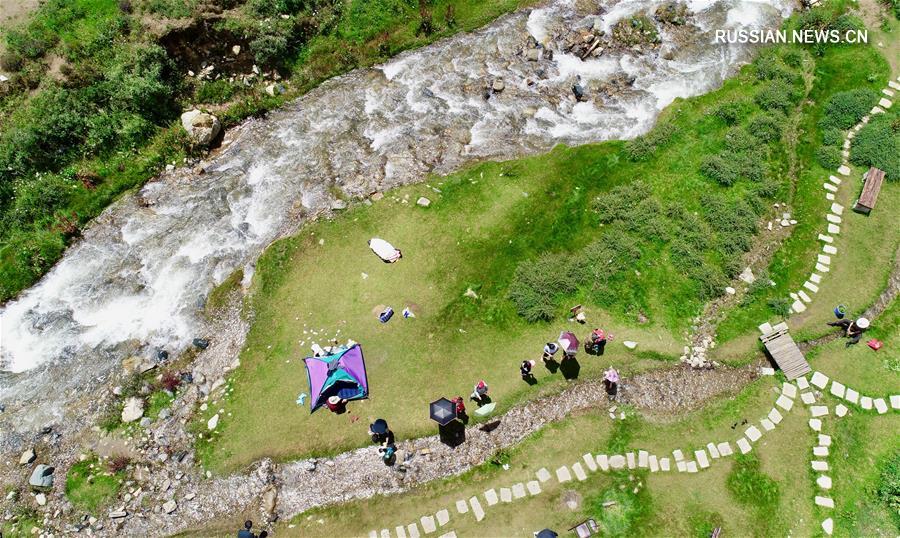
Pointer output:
x,y
341,374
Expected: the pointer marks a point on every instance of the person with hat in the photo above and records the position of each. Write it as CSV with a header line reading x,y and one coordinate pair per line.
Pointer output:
x,y
380,432
550,349
479,394
525,369
336,404
852,329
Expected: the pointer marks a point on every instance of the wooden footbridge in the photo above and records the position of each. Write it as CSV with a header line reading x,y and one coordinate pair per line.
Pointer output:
x,y
784,350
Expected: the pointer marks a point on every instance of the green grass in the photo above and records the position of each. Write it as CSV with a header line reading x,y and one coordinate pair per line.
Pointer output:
x,y
484,222
840,69
89,486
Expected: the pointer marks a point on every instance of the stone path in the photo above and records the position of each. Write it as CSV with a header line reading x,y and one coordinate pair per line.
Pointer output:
x,y
811,392
834,218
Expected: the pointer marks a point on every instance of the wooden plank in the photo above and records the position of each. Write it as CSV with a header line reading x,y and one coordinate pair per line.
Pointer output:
x,y
871,188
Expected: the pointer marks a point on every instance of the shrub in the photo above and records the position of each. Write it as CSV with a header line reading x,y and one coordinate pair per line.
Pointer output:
x,y
878,144
11,62
770,67
710,280
646,146
844,109
538,284
888,489
720,169
269,49
832,136
829,156
738,139
38,199
616,203
777,95
215,92
732,111
766,127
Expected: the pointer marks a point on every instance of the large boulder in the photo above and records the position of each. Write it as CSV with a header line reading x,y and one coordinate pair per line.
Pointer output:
x,y
41,477
133,410
201,126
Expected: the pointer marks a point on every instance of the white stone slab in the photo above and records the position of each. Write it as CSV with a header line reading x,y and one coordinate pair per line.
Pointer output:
x,y
665,464
838,389
654,463
798,306
823,259
385,533
834,219
820,451
806,298
682,466
563,474
829,196
443,517
643,459
894,85
815,278
451,534
811,287
476,508
775,416
876,110
837,209
753,433
865,402
743,445
827,502
784,402
828,249
534,487
543,474
829,187
815,424
505,495
840,410
895,401
767,424
819,465
789,390
725,449
851,396
692,467
818,410
373,534
579,472
826,238
702,458
428,524
518,490
889,93
828,526
678,454
590,462
713,451
834,179
802,383
834,229
603,462
884,103
632,463
824,440
400,531
462,507
808,398
821,268
880,406
824,481
765,370
819,379
617,461
413,530
843,170
491,497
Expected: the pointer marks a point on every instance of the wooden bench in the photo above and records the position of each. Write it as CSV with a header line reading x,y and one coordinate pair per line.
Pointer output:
x,y
871,187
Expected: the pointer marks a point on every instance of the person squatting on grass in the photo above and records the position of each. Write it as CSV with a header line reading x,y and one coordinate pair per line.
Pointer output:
x,y
479,394
550,349
525,369
852,329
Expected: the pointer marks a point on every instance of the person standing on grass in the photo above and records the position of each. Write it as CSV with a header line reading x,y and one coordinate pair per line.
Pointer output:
x,y
479,394
525,369
246,532
550,349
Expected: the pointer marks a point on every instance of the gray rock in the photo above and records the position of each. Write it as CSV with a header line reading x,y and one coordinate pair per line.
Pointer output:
x,y
338,205
27,457
40,499
275,89
269,498
309,465
133,410
169,506
213,422
42,477
118,514
146,422
424,202
164,413
498,86
201,127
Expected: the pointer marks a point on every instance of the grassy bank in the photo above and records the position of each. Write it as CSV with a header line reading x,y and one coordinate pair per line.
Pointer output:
x,y
96,87
640,233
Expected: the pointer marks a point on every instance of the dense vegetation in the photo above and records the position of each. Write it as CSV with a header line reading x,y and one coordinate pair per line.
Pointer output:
x,y
888,487
707,244
878,144
90,484
91,108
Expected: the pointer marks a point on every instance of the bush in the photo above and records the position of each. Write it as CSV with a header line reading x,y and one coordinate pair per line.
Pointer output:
x,y
777,95
766,127
269,49
878,144
829,157
537,285
832,136
720,169
710,281
616,203
37,200
888,490
732,111
770,67
738,139
845,109
215,92
646,146
11,62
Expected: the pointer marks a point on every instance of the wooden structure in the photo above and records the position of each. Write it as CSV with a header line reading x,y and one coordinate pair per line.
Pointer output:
x,y
586,529
871,187
784,351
